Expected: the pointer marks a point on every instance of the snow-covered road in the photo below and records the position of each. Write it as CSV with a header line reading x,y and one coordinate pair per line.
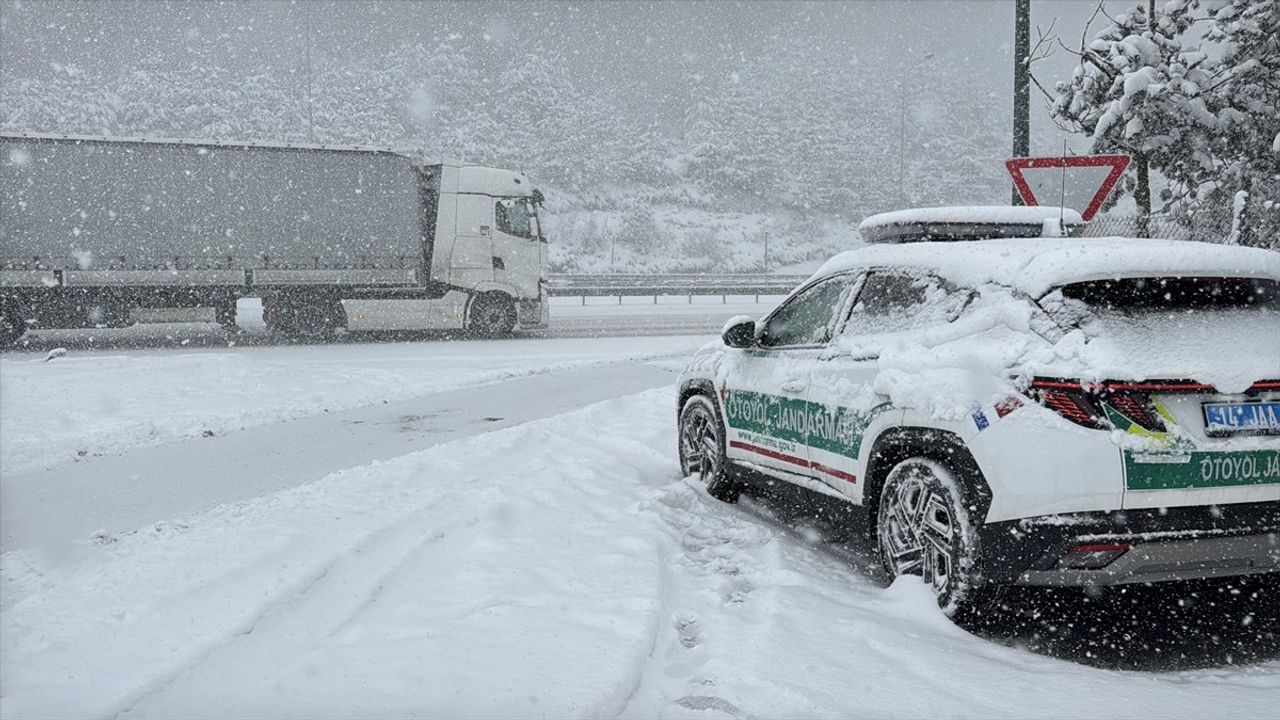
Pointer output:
x,y
120,491
378,560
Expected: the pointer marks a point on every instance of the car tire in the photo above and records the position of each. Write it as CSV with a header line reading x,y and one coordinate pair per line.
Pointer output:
x,y
923,527
702,448
491,315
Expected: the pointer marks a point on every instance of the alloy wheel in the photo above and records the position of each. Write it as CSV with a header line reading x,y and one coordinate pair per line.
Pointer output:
x,y
918,530
700,444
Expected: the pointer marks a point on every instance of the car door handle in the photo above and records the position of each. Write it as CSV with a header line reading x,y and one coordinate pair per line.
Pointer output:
x,y
794,386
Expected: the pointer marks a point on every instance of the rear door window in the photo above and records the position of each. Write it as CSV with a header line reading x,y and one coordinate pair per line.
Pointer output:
x,y
896,300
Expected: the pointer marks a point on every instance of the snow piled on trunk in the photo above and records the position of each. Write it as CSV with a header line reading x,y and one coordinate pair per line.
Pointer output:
x,y
558,568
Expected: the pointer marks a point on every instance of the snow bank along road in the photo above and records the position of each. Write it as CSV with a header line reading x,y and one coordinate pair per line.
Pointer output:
x,y
557,566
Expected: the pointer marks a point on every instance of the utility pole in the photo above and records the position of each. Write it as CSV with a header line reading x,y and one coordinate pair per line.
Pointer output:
x,y
902,122
311,136
1021,83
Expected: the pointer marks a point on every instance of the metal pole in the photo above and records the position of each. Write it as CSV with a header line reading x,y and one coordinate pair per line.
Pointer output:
x,y
902,122
1021,83
902,132
311,137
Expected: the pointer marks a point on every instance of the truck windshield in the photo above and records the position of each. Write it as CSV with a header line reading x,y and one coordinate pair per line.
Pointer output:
x,y
514,216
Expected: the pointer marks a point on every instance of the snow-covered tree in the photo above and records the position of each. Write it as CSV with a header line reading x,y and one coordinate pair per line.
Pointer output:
x,y
1247,102
1200,107
1138,90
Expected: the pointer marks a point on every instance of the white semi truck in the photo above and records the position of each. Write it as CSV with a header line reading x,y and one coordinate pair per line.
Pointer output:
x,y
96,232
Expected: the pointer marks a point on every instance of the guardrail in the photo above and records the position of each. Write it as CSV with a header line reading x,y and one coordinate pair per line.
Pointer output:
x,y
690,284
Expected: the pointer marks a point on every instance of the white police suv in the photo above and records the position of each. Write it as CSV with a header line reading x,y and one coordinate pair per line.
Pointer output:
x,y
1063,411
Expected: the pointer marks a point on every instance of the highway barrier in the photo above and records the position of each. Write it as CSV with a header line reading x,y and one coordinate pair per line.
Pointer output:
x,y
688,284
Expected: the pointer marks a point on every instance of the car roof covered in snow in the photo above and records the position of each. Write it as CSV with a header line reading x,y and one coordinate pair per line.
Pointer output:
x,y
1036,265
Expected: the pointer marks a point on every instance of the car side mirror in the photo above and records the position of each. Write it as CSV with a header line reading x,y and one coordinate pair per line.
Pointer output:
x,y
739,332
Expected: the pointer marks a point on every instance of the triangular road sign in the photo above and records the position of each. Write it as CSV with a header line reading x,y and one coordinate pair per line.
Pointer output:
x,y
1080,182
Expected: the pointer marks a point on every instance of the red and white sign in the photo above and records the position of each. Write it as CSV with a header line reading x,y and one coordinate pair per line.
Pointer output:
x,y
1079,182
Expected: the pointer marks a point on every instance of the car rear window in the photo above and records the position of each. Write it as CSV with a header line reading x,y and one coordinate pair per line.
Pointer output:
x,y
1140,295
1192,327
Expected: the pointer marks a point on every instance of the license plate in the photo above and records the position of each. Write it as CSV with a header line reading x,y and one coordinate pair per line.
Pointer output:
x,y
1242,418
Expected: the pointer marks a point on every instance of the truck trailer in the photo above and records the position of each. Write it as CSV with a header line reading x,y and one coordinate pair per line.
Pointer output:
x,y
95,232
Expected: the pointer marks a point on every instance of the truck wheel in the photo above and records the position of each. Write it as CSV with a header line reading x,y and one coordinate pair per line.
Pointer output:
x,y
923,528
492,315
304,320
225,314
12,323
313,321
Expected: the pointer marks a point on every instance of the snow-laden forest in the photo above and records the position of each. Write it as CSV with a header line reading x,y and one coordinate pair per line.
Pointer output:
x,y
675,136
761,161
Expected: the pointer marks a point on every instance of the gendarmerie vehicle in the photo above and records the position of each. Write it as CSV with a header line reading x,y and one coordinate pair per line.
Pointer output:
x,y
1043,411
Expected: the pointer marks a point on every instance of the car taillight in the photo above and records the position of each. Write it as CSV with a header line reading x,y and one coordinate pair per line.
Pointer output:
x,y
1092,556
1084,405
1070,400
1138,408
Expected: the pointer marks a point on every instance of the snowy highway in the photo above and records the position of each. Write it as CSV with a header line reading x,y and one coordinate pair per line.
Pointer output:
x,y
491,528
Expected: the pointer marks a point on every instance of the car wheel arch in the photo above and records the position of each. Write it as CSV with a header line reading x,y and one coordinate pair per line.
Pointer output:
x,y
695,386
943,446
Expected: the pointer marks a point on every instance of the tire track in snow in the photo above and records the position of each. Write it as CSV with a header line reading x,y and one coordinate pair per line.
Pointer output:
x,y
327,597
586,580
322,609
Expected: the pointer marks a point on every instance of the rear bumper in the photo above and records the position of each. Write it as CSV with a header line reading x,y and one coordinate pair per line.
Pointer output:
x,y
1164,545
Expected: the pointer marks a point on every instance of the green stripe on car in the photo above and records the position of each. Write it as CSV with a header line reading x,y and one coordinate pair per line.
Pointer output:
x,y
839,430
1171,471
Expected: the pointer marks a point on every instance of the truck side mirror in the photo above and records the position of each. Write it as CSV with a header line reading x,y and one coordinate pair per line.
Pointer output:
x,y
739,332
